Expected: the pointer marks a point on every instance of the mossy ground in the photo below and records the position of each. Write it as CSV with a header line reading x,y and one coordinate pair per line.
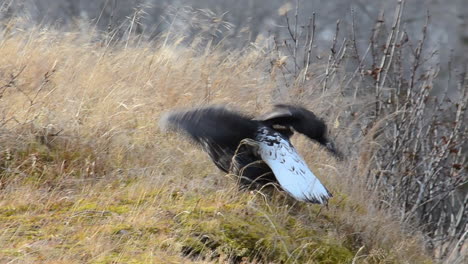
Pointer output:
x,y
87,177
128,218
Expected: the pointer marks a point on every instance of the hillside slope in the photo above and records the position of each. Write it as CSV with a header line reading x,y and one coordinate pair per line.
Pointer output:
x,y
86,175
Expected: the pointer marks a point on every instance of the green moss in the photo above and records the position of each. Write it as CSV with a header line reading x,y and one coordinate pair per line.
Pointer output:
x,y
203,232
151,230
243,239
119,209
13,210
84,206
11,252
198,246
241,233
328,252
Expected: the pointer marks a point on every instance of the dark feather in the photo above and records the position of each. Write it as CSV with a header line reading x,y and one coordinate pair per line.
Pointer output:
x,y
217,129
222,134
302,121
299,118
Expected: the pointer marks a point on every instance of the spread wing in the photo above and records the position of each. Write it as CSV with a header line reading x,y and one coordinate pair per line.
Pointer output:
x,y
290,169
216,129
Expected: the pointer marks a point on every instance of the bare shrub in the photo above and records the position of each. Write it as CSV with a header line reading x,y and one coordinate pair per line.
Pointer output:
x,y
411,129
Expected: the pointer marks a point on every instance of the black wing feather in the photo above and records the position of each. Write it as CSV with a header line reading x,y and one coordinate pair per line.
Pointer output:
x,y
217,129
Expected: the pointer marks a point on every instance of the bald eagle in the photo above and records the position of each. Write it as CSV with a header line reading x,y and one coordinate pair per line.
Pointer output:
x,y
258,150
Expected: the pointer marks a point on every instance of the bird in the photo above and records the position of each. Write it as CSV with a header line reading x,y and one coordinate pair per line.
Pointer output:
x,y
257,149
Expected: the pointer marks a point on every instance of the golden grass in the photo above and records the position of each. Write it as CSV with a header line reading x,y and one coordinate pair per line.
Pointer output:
x,y
86,175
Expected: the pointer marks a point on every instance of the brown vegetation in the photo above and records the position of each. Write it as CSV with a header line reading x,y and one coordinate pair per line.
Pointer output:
x,y
86,175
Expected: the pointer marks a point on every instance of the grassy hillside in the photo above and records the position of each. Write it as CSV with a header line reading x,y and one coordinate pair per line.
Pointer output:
x,y
86,175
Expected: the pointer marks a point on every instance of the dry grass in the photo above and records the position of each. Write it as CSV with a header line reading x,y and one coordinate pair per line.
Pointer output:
x,y
86,176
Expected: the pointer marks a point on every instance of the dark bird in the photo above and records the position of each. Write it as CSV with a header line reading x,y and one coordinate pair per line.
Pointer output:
x,y
258,150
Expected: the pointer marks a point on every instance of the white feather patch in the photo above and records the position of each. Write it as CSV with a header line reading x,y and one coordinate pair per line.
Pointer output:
x,y
289,168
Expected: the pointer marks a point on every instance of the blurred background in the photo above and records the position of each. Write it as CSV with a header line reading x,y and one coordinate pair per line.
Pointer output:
x,y
252,18
240,23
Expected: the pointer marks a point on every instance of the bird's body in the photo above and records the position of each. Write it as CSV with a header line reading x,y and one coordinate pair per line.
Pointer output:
x,y
257,150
